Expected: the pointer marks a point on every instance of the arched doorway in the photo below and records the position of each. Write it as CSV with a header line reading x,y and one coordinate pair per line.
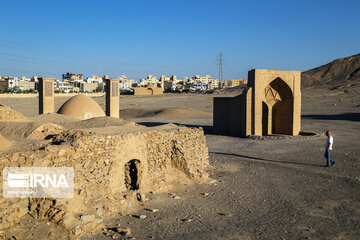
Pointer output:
x,y
151,91
265,118
279,99
132,174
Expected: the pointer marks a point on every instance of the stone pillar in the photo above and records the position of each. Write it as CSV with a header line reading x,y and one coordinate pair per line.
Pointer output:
x,y
270,107
112,98
248,110
46,95
297,103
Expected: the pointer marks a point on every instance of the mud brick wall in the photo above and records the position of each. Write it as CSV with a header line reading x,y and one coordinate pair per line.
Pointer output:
x,y
103,184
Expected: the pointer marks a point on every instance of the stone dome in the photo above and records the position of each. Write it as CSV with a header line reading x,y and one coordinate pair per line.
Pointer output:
x,y
81,107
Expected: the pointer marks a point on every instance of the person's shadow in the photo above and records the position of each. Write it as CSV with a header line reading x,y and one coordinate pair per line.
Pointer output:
x,y
267,160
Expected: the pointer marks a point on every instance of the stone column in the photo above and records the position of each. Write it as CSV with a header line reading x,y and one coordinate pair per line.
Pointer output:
x,y
46,95
112,98
270,107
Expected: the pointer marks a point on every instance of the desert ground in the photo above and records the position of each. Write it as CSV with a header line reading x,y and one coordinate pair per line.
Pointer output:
x,y
274,187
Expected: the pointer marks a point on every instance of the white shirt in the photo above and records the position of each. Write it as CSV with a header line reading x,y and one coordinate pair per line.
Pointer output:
x,y
330,141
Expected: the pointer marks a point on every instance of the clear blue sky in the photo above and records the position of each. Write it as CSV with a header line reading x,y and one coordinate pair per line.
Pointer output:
x,y
137,38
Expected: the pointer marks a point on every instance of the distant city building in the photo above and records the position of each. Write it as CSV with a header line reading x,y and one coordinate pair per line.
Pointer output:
x,y
168,83
26,85
62,86
8,82
15,83
164,78
35,79
88,87
234,82
94,79
150,79
207,79
23,78
125,83
199,86
67,77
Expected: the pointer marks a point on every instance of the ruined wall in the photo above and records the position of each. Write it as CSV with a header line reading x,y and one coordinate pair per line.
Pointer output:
x,y
100,164
230,114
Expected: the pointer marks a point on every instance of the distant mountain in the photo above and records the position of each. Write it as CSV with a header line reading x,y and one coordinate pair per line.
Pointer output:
x,y
340,72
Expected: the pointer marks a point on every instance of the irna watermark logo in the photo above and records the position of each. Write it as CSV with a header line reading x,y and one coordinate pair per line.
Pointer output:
x,y
38,182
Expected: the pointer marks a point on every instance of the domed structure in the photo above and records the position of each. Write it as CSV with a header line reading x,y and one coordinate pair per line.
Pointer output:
x,y
81,107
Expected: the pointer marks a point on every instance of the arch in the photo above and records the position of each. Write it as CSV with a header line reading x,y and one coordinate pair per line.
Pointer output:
x,y
281,87
281,102
151,91
132,174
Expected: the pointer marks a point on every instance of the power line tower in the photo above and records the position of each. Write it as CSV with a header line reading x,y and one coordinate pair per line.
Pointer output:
x,y
220,63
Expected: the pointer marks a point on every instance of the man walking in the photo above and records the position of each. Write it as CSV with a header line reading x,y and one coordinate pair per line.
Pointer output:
x,y
328,148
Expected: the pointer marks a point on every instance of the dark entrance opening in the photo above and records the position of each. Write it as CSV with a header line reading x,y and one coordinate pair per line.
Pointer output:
x,y
282,111
265,118
132,175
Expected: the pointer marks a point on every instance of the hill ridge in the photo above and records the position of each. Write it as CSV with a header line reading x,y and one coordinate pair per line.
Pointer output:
x,y
339,72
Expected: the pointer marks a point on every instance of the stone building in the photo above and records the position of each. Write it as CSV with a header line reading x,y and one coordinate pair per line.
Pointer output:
x,y
88,87
125,82
234,82
207,79
115,162
72,77
81,107
150,89
26,85
150,79
8,82
270,104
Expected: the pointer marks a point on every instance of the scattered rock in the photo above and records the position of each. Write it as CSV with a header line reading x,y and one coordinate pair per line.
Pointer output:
x,y
124,231
87,218
225,214
140,197
142,216
77,231
186,220
151,210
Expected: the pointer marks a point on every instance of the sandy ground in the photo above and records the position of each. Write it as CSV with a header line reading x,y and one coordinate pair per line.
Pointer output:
x,y
263,188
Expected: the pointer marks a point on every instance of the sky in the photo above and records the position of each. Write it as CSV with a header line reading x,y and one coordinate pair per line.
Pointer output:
x,y
173,37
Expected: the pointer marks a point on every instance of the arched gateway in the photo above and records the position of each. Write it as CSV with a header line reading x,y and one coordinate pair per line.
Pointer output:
x,y
269,104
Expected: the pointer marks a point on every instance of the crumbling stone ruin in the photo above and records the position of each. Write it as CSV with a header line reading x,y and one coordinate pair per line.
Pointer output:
x,y
116,163
270,104
110,170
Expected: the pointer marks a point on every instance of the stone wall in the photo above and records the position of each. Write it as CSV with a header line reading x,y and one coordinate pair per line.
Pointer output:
x,y
147,91
229,115
101,180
